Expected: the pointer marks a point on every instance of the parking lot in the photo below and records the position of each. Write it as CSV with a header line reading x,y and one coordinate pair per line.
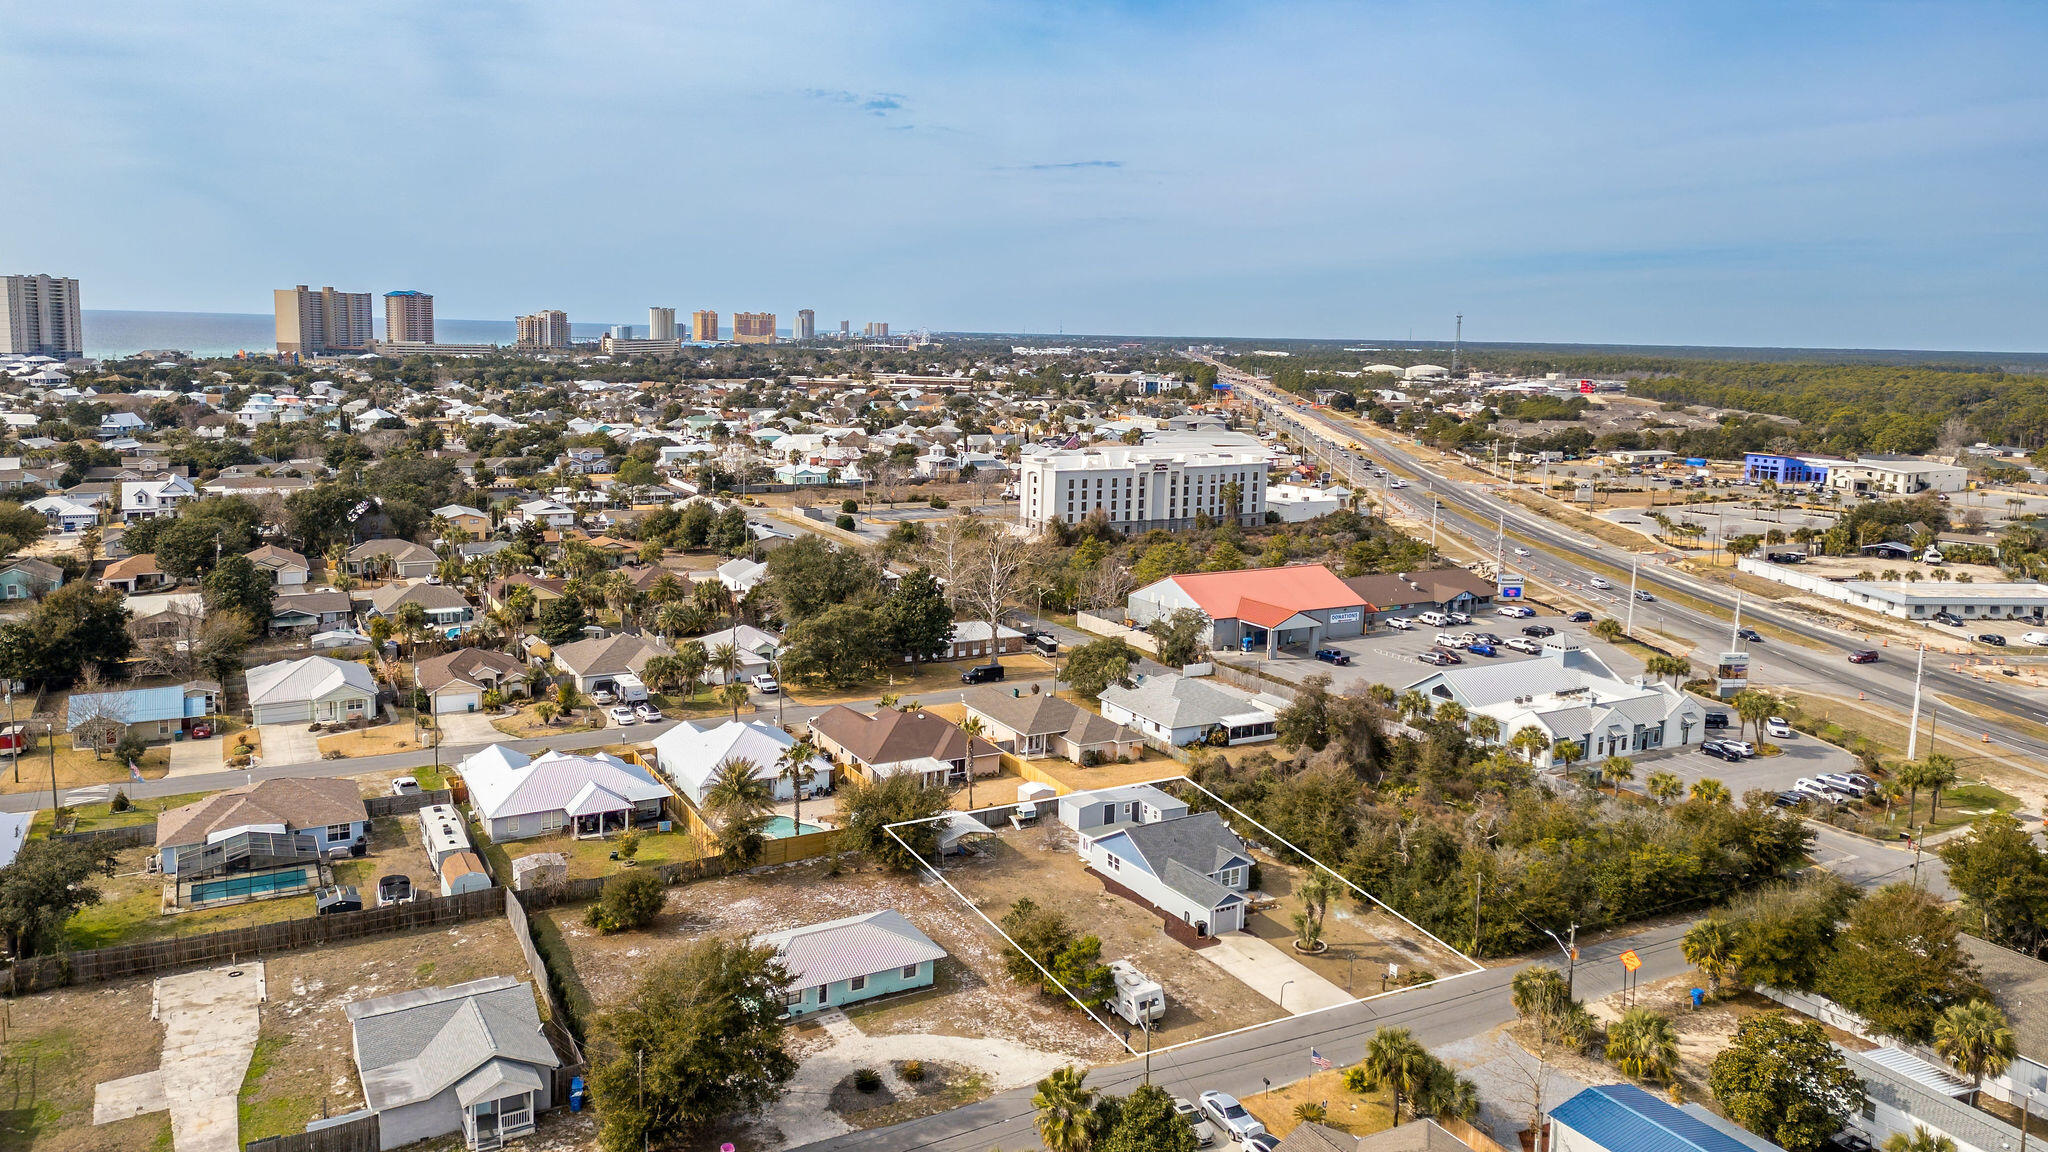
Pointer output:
x,y
1392,657
1802,755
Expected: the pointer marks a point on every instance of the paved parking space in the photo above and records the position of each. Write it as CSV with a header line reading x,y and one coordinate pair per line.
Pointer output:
x,y
1802,756
288,743
1391,657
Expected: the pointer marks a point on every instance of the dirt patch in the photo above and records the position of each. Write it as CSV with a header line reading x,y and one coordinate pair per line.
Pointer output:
x,y
1041,864
1358,1113
1362,938
60,1046
971,995
899,1098
305,1066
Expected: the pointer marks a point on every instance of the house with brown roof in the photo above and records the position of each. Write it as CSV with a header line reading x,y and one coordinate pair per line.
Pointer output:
x,y
390,559
1435,590
544,588
264,839
457,681
599,661
891,743
1034,724
134,574
287,568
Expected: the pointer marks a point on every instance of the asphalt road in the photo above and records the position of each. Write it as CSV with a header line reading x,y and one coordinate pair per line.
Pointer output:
x,y
1568,557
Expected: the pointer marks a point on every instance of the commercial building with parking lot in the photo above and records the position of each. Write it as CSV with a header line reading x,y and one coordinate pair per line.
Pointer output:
x,y
1569,694
1436,590
1300,605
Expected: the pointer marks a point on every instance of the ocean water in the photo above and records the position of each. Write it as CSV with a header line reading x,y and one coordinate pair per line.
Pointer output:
x,y
109,334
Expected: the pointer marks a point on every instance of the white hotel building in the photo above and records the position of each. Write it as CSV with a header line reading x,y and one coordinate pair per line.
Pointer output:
x,y
1164,484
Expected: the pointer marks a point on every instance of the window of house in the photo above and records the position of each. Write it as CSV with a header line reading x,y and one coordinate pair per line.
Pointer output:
x,y
910,971
340,831
512,825
1115,865
857,984
1230,877
792,999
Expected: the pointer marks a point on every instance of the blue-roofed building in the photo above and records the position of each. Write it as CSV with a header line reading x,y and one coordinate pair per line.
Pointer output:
x,y
151,713
1785,470
1624,1118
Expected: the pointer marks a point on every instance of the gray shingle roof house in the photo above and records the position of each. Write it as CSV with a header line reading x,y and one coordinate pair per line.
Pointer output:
x,y
468,1058
855,958
1191,868
1180,710
1043,725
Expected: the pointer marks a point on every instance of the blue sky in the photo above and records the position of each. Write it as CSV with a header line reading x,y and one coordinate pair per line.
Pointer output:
x,y
1846,174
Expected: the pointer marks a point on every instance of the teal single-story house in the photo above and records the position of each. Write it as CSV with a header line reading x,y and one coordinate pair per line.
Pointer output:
x,y
858,958
28,578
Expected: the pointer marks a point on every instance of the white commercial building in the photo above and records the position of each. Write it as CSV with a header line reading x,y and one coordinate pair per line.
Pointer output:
x,y
1568,694
1167,483
1924,600
1897,476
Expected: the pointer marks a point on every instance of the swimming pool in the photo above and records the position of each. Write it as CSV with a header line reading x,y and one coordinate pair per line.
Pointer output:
x,y
780,826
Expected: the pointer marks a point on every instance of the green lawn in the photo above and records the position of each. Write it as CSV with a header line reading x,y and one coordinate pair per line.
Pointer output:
x,y
593,857
279,1113
131,912
95,816
1960,805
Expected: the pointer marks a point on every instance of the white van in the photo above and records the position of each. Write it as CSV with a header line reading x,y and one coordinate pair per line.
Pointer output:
x,y
1434,619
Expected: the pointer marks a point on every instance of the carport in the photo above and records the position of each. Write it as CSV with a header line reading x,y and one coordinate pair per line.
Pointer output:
x,y
1274,628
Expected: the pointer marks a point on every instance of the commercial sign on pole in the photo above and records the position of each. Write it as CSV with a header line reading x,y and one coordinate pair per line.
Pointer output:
x,y
1508,588
1731,673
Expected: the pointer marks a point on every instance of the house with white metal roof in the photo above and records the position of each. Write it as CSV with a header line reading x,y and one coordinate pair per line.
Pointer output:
x,y
517,796
690,756
1568,693
1180,710
469,1058
858,958
319,689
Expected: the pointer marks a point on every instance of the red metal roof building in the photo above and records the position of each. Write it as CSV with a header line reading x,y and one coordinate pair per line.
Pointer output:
x,y
1300,605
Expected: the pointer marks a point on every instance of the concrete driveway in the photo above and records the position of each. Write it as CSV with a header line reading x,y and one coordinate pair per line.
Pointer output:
x,y
288,744
462,729
1274,974
191,757
210,1021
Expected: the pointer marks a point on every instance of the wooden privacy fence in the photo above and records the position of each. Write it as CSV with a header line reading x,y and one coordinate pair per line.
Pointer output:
x,y
406,805
41,973
127,836
361,1134
779,850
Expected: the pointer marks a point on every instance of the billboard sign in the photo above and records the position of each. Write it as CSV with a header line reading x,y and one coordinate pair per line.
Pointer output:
x,y
1508,588
1731,673
1346,615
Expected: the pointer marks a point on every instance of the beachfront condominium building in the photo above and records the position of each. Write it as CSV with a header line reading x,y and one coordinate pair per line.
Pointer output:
x,y
1167,484
42,317
753,327
845,329
877,330
548,329
408,317
704,326
661,323
315,323
806,324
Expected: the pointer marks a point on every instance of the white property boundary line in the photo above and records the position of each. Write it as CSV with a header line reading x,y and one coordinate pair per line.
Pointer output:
x,y
1124,1041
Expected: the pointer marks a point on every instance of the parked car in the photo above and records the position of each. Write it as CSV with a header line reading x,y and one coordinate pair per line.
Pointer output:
x,y
1841,782
1205,1132
647,712
1539,631
1481,648
1715,749
2035,639
1434,619
1645,597
1437,656
1777,728
1749,634
1230,1117
982,674
1948,618
1400,623
1818,791
1452,639
1514,611
1991,638
766,685
1045,643
1713,720
1263,1142
1788,799
603,696
405,786
1863,656
1458,617
1332,656
1599,583
1581,617
1524,644
622,715
1743,747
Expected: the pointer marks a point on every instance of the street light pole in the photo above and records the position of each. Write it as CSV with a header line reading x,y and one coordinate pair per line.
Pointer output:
x,y
1630,628
1569,945
1913,724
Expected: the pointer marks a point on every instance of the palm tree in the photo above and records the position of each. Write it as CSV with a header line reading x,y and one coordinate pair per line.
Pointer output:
x,y
725,660
741,800
734,695
1665,786
1976,1040
1397,1062
1754,707
1316,892
1484,729
1940,772
1066,1110
547,710
568,697
1567,751
1711,791
691,660
795,767
1920,1141
1642,1045
972,728
1710,947
1530,741
1618,769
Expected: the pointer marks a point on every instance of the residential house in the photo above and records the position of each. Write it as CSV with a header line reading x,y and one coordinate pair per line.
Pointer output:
x,y
1102,810
154,714
390,560
969,641
690,757
1625,1118
287,568
755,648
547,514
65,515
803,475
115,424
134,574
263,839
1192,869
1902,1092
1180,710
470,1059
517,796
497,594
27,578
889,743
857,958
457,681
306,613
315,689
598,662
1035,724
146,499
741,576
449,613
468,519
173,617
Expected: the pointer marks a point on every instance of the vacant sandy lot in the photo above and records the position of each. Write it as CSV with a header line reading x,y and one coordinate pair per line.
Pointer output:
x,y
59,1046
1040,864
1362,938
971,997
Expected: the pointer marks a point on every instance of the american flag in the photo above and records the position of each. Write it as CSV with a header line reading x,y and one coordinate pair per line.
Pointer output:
x,y
1319,1060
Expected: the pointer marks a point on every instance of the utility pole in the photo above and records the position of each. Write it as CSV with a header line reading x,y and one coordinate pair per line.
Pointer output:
x,y
1629,629
1458,344
1569,945
1432,521
1913,723
1735,630
1476,881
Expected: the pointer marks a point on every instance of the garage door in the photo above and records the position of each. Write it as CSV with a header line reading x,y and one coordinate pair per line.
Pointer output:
x,y
457,702
1229,918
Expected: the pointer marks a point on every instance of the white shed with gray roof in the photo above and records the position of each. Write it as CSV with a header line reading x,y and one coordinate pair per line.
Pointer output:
x,y
469,1058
